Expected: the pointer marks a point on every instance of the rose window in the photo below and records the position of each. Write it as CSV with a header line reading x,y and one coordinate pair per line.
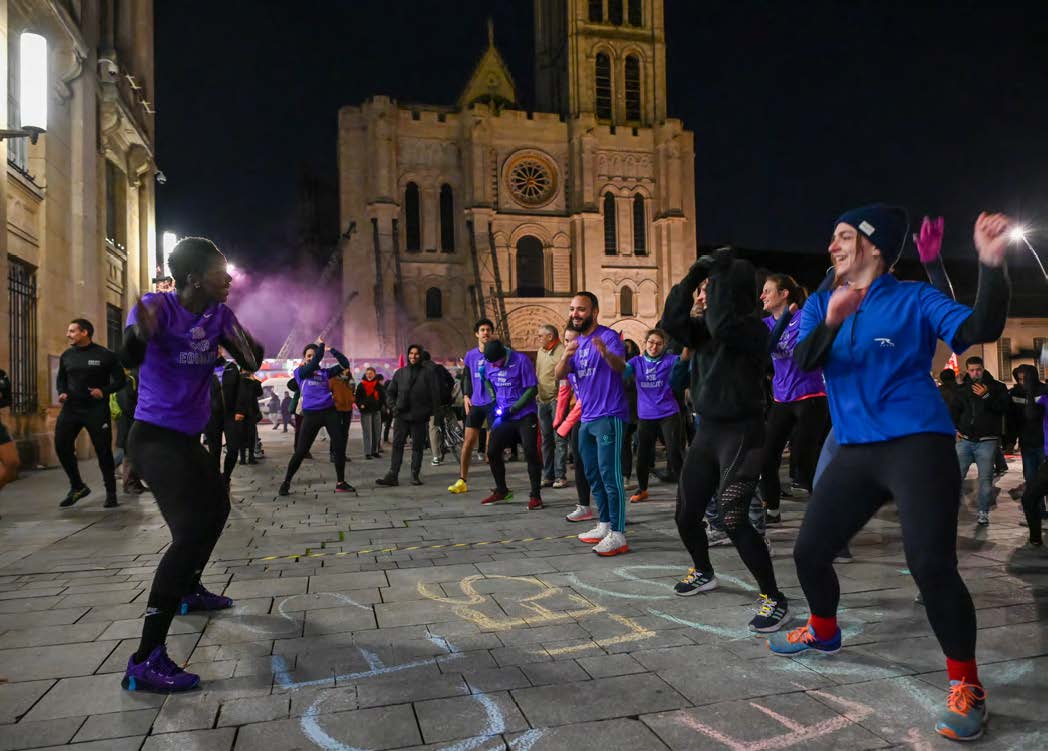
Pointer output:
x,y
531,181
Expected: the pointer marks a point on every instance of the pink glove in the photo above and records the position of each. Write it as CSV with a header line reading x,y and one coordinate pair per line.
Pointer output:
x,y
929,241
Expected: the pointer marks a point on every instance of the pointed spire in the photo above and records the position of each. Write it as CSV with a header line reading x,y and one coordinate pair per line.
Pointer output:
x,y
491,32
491,81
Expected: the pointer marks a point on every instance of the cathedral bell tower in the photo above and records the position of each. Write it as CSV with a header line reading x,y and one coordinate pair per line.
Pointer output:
x,y
603,58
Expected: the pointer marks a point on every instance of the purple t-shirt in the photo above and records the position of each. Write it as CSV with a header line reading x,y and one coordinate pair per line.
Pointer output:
x,y
315,389
655,399
473,360
515,377
174,381
790,383
600,388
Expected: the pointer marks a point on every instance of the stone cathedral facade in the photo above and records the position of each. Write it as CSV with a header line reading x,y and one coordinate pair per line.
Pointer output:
x,y
482,209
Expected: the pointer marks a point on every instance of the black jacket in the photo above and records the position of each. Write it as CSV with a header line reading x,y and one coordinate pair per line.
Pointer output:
x,y
730,342
982,416
248,392
81,369
413,391
951,394
367,403
1028,418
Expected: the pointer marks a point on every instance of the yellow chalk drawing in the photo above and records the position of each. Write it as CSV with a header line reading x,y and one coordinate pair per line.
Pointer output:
x,y
466,607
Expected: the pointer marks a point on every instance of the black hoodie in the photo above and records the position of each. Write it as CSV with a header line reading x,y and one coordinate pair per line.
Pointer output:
x,y
729,343
1028,420
982,417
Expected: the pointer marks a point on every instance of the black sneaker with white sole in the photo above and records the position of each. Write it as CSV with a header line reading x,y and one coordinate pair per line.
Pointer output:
x,y
771,612
695,582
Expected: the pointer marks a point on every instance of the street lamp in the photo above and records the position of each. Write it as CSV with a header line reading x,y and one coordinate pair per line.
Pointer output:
x,y
32,88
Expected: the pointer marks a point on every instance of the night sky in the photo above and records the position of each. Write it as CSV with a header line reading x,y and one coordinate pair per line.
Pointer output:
x,y
800,110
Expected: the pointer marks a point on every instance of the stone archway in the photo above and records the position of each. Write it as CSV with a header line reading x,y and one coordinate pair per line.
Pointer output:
x,y
525,321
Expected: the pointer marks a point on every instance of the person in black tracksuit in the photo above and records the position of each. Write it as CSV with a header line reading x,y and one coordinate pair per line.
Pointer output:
x,y
730,345
87,374
412,395
247,416
127,400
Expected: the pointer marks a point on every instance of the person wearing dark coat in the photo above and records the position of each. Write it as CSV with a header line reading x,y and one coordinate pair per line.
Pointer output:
x,y
413,395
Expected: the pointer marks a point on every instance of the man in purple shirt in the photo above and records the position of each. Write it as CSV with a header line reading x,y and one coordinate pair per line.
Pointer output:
x,y
1036,400
597,358
658,410
174,338
475,400
510,381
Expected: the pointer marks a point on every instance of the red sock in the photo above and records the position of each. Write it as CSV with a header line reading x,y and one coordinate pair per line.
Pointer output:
x,y
825,628
963,670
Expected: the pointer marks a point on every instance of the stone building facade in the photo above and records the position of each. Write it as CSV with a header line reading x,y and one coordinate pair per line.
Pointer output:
x,y
77,207
482,209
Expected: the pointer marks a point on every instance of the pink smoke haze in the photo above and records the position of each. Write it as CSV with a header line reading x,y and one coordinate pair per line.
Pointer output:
x,y
269,305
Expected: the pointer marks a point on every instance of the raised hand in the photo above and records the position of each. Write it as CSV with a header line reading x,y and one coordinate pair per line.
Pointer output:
x,y
571,347
929,239
991,238
600,346
843,302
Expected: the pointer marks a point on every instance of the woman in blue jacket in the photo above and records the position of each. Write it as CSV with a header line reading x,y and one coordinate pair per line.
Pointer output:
x,y
874,338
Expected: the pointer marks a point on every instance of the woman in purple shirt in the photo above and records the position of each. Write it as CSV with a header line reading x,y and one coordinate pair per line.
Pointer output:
x,y
657,409
318,411
799,412
173,337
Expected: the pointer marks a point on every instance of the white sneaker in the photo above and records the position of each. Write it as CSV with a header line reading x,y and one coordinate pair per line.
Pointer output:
x,y
596,534
613,544
581,514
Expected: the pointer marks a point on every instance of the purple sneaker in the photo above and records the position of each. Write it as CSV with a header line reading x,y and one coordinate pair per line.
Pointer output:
x,y
201,599
157,673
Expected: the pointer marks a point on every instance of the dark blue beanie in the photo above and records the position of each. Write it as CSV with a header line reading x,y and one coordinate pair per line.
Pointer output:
x,y
885,226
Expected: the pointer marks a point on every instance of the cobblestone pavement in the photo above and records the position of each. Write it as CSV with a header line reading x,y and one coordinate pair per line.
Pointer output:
x,y
410,618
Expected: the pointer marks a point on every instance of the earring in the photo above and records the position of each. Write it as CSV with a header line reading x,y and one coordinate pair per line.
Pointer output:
x,y
197,285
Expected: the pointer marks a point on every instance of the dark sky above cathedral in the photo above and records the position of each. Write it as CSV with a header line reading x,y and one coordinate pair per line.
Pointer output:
x,y
799,109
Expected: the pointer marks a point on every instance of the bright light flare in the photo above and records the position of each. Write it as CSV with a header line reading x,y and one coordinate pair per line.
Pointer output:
x,y
32,84
168,241
1017,234
231,268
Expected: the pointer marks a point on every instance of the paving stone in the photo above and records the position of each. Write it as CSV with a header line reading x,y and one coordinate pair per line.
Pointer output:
x,y
338,620
409,686
468,716
116,725
199,740
495,679
293,585
376,729
190,711
58,661
548,673
606,735
607,666
17,698
112,744
791,720
328,582
90,695
604,698
35,734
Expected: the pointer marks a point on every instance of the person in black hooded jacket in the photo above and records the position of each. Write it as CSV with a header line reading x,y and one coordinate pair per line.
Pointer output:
x,y
730,345
413,395
1029,422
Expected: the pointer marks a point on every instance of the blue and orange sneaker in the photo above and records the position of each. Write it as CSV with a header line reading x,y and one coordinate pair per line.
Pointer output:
x,y
158,674
201,599
803,639
966,713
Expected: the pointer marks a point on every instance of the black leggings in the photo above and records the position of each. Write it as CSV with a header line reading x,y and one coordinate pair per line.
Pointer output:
x,y
1031,500
672,435
312,422
95,420
582,486
627,449
921,473
505,436
194,505
725,459
804,424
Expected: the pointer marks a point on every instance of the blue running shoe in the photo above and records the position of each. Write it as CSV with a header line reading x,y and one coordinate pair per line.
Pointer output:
x,y
803,639
965,715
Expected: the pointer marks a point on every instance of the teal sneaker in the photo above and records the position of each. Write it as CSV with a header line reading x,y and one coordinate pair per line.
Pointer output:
x,y
803,639
965,715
